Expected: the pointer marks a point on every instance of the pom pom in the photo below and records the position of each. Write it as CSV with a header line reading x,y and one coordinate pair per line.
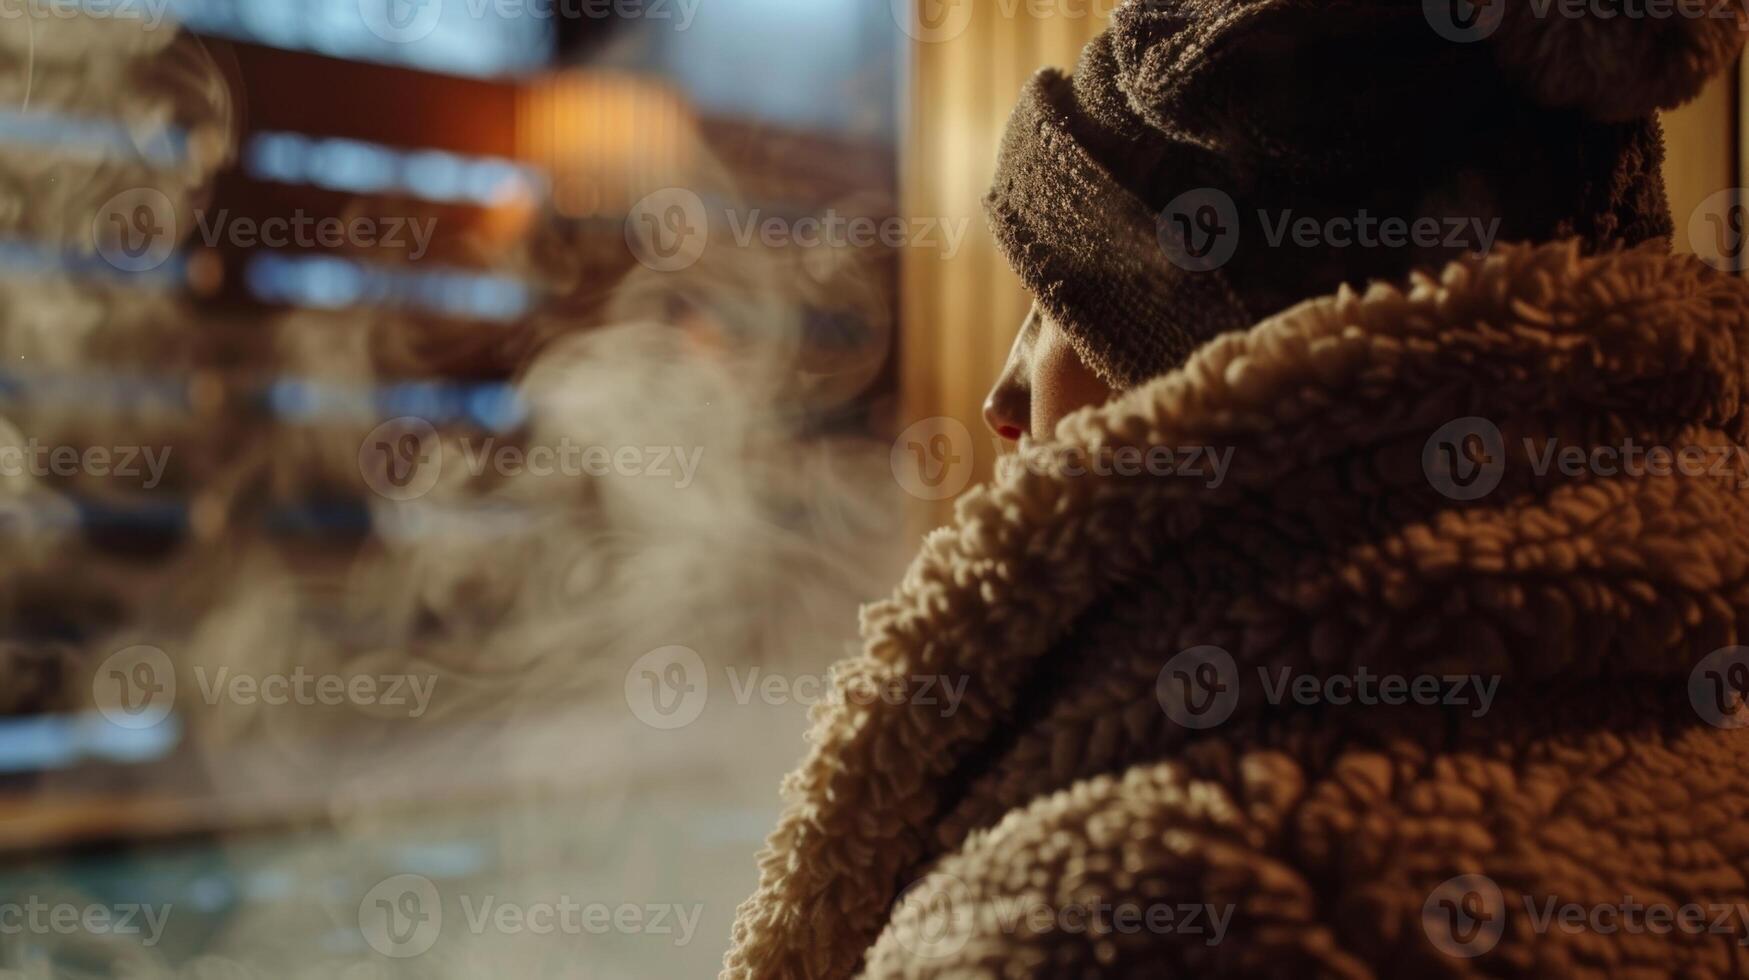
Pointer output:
x,y
1650,55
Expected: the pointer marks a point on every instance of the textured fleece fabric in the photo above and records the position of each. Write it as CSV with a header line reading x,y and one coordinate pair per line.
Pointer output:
x,y
1192,122
919,842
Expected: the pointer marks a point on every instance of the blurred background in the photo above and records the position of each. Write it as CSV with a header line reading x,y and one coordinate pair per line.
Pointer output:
x,y
444,445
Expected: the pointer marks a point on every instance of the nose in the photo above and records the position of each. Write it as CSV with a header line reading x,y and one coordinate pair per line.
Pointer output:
x,y
1008,406
1002,413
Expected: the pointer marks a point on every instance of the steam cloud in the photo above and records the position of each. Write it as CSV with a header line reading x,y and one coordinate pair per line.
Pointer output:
x,y
517,602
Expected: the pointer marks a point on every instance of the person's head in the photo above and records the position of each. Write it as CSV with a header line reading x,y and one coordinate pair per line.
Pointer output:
x,y
1212,162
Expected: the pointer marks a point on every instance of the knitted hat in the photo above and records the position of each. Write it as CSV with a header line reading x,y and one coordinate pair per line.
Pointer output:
x,y
1211,162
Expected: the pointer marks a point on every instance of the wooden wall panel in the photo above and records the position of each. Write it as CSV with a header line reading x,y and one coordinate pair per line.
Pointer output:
x,y
1702,141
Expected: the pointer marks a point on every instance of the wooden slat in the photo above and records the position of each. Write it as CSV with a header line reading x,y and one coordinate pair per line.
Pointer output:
x,y
960,313
1701,139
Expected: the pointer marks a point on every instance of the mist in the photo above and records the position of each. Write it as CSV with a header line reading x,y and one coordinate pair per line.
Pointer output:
x,y
466,653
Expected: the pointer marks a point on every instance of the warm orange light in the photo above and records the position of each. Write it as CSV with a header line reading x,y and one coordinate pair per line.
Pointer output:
x,y
604,139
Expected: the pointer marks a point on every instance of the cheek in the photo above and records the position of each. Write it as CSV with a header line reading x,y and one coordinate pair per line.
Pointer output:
x,y
1061,384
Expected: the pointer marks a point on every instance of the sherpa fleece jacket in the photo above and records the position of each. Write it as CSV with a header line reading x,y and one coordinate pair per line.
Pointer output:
x,y
1066,821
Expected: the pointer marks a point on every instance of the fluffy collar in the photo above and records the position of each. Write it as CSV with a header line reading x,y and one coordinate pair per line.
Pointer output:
x,y
1538,337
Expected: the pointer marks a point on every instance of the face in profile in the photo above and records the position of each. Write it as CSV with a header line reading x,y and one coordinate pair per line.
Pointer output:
x,y
1043,381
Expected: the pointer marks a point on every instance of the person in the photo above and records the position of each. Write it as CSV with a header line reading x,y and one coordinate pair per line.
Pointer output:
x,y
1368,603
